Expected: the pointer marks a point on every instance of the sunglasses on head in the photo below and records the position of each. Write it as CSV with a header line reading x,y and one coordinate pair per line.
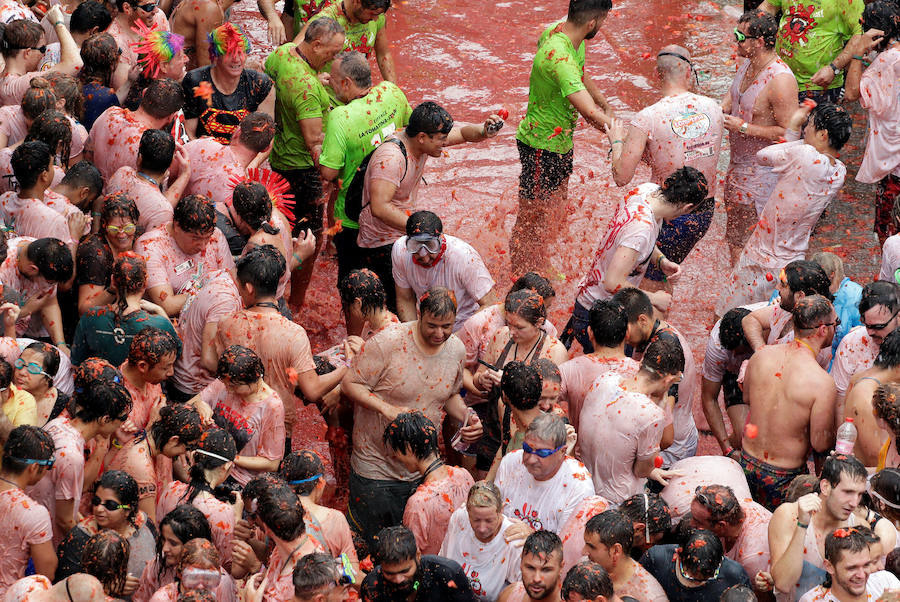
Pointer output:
x,y
196,578
30,367
48,462
540,453
110,505
881,326
126,229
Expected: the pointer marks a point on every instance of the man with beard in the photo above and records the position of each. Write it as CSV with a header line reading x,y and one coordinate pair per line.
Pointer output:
x,y
404,574
846,559
542,558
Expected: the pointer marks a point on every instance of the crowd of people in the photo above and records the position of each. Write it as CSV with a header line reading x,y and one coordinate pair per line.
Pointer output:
x,y
168,433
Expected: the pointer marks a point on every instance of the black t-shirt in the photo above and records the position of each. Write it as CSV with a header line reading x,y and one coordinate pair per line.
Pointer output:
x,y
222,114
658,561
438,578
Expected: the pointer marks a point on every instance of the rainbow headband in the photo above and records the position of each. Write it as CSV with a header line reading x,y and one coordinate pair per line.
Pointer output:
x,y
156,47
226,39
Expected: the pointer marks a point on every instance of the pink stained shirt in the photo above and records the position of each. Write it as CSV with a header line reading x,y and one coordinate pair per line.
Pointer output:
x,y
14,87
890,258
135,459
217,298
461,269
334,531
28,287
751,550
633,226
702,470
153,207
115,139
572,533
226,591
879,93
806,184
145,406
62,205
682,130
64,481
717,360
632,426
8,180
36,220
213,165
12,123
168,264
281,582
428,510
25,523
219,514
389,164
856,352
579,373
257,428
642,586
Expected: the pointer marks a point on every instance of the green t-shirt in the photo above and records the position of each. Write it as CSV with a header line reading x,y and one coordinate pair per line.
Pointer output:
x,y
813,32
360,36
356,129
304,11
298,95
557,71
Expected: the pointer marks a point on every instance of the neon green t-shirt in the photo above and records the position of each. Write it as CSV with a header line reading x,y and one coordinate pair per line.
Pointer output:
x,y
356,129
813,32
360,36
304,11
557,71
298,95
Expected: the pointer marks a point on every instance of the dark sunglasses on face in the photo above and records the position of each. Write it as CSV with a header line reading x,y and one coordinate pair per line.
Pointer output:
x,y
148,8
540,453
881,326
110,505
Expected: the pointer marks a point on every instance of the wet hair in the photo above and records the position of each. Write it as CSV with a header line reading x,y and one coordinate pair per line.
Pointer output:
x,y
88,15
355,66
100,398
723,504
156,150
535,282
880,292
241,365
548,427
701,553
731,328
612,527
762,25
38,98
6,373
125,488
68,88
252,203
543,544
195,213
280,509
685,186
376,4
809,278
257,131
663,357
198,552
100,55
412,432
657,512
182,421
438,301
55,130
835,120
321,29
884,16
635,302
830,262
608,323
521,384
52,258
484,494
394,545
845,539
117,205
738,593
364,285
811,312
197,595
129,276
886,405
212,441
19,34
582,11
312,573
105,556
527,304
29,161
84,173
262,266
93,369
800,486
429,118
548,370
162,98
49,356
838,465
424,222
151,345
889,352
589,580
304,465
186,523
884,490
26,442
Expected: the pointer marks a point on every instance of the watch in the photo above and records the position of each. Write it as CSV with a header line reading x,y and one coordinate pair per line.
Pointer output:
x,y
744,127
834,68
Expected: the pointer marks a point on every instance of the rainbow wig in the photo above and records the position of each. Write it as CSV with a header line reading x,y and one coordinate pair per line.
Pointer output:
x,y
156,47
227,39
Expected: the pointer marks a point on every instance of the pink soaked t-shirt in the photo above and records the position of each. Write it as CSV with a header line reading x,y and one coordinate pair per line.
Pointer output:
x,y
333,531
226,591
702,470
145,406
682,130
25,523
35,219
12,123
14,87
632,226
213,167
632,429
879,93
890,258
217,298
153,207
27,287
62,205
578,374
115,139
751,550
168,264
280,580
257,428
856,352
807,182
8,182
389,164
572,533
642,586
428,510
135,459
219,514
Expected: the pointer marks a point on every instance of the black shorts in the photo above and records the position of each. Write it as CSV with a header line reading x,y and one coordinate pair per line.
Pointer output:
x,y
348,255
543,171
378,259
731,391
306,186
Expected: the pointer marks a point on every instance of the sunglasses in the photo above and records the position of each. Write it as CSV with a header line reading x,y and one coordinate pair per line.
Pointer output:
x,y
540,453
148,8
836,323
432,245
48,462
880,326
694,579
41,49
110,505
126,229
646,519
30,367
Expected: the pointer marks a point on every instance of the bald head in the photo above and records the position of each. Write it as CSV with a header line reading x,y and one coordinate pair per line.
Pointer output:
x,y
81,588
673,62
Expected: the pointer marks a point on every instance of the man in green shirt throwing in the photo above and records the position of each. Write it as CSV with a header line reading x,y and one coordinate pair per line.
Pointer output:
x,y
558,93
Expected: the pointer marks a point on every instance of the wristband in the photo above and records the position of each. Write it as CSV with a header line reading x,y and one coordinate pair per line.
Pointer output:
x,y
62,343
801,525
298,258
617,141
729,451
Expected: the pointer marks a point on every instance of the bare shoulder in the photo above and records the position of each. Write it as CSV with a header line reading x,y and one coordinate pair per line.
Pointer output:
x,y
783,515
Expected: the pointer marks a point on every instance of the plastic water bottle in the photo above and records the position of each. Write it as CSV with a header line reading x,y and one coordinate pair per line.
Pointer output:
x,y
846,437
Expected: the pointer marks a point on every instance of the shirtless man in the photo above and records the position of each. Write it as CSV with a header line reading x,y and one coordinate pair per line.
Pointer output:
x,y
681,129
194,19
863,385
797,530
542,558
791,401
762,99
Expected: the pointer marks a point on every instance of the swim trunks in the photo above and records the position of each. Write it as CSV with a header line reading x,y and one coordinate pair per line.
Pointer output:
x,y
768,484
678,236
543,171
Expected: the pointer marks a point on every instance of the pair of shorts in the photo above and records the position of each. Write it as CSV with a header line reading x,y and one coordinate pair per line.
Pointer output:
x,y
886,192
543,171
833,95
768,484
348,252
378,259
576,329
375,504
678,236
731,391
309,208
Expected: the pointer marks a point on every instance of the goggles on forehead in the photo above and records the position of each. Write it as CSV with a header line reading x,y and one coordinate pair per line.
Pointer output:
x,y
431,245
197,578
